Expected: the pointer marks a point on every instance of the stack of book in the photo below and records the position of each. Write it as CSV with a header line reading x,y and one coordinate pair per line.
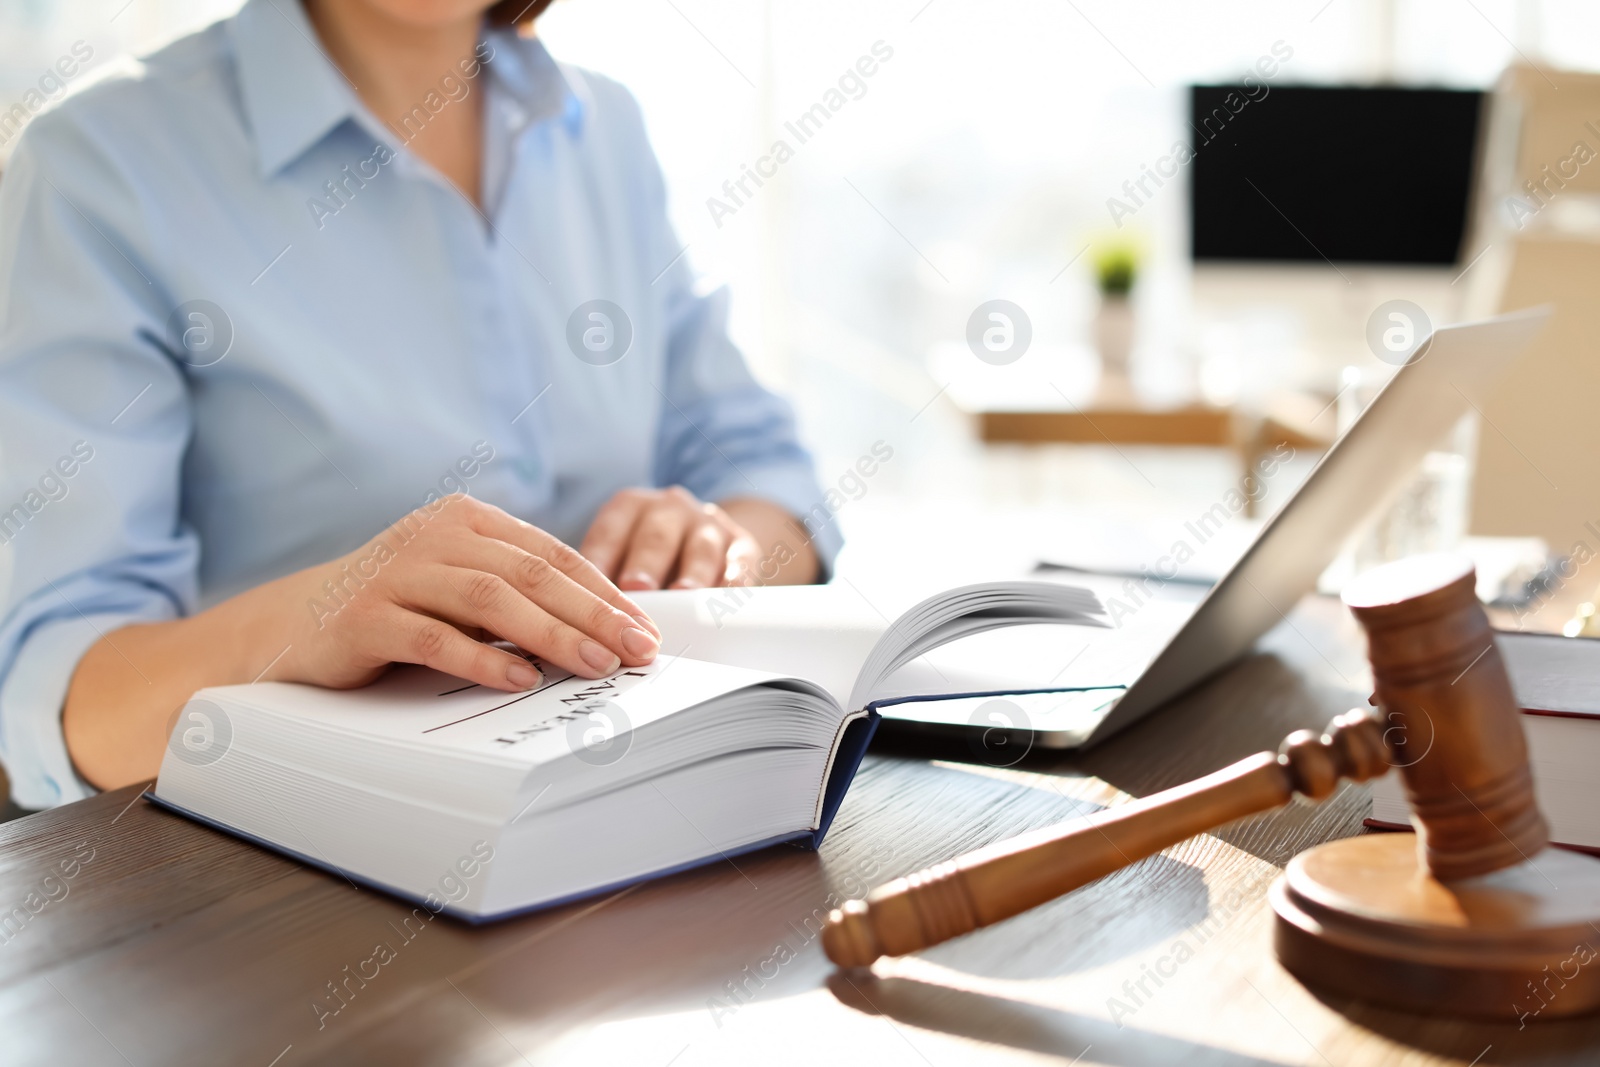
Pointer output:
x,y
1557,682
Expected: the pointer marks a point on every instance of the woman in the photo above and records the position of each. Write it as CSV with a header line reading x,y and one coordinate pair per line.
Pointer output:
x,y
315,270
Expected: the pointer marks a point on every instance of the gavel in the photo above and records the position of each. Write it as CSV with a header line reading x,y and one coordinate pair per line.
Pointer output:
x,y
1463,917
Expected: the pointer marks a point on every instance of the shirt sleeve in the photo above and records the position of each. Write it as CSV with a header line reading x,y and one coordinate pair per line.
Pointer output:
x,y
723,435
94,421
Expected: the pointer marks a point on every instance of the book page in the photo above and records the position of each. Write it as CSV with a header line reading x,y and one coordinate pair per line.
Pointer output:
x,y
829,634
819,633
1041,656
421,707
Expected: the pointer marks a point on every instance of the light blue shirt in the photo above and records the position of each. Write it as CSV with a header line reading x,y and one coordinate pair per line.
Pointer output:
x,y
243,328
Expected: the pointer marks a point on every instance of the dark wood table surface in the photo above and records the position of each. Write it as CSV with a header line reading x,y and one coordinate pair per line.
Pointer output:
x,y
173,944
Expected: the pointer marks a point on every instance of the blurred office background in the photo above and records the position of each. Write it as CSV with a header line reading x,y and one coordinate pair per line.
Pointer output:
x,y
976,162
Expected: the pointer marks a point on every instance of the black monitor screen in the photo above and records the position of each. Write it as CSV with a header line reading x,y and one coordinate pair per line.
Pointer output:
x,y
1347,175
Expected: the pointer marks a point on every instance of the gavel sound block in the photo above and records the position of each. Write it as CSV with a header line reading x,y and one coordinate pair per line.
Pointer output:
x,y
1473,915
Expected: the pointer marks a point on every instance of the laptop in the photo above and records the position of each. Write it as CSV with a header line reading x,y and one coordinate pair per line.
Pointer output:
x,y
1180,645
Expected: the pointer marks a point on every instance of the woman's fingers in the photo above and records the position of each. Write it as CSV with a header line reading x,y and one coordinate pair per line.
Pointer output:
x,y
704,561
655,544
744,558
483,598
540,582
494,523
646,538
405,637
607,540
441,584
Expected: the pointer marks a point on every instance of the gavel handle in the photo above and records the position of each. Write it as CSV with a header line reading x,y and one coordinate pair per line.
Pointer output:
x,y
1008,877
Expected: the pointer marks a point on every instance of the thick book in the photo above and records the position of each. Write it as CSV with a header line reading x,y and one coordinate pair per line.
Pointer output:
x,y
1557,682
484,804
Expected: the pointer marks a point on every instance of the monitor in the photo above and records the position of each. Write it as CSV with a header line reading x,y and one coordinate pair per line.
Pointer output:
x,y
1341,174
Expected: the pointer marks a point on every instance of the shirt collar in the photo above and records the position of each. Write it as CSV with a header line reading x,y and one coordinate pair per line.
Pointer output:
x,y
533,82
294,96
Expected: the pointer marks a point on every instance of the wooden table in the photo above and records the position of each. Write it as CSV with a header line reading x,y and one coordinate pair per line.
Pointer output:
x,y
1302,421
176,945
1191,424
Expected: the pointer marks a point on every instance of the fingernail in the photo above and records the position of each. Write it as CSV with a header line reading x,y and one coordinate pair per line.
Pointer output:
x,y
523,676
688,583
639,581
648,624
599,657
639,644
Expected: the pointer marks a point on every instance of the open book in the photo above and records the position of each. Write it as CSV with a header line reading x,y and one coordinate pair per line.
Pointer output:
x,y
484,804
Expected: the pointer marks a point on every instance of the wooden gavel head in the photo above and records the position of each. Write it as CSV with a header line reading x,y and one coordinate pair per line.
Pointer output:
x,y
1451,721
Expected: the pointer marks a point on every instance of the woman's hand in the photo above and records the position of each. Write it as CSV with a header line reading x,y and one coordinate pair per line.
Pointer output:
x,y
433,589
669,539
430,588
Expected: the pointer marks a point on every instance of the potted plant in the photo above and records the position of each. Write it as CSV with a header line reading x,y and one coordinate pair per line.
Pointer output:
x,y
1116,268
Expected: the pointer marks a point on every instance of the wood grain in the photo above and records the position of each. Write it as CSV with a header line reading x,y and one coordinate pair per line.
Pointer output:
x,y
177,945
